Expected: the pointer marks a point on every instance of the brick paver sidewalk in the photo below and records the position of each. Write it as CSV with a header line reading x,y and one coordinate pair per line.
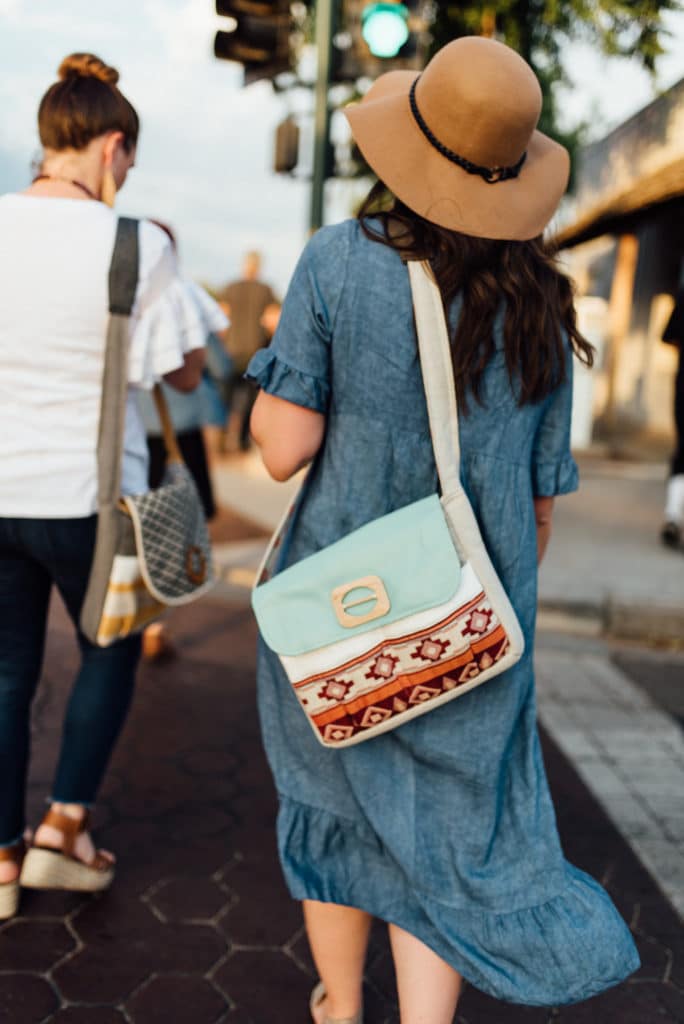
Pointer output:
x,y
198,928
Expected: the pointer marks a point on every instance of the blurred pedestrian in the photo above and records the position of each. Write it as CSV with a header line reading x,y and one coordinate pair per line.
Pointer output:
x,y
253,310
673,529
213,391
444,828
197,317
54,269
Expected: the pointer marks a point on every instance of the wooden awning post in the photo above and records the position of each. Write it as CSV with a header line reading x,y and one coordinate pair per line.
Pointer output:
x,y
619,317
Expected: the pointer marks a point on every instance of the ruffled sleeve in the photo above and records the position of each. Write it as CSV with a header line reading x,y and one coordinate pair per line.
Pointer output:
x,y
171,316
208,309
296,367
276,377
554,470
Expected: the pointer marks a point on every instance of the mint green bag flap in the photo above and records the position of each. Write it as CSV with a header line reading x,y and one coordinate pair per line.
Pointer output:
x,y
403,563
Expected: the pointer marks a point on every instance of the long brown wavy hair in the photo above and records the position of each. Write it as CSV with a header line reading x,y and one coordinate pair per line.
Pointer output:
x,y
538,297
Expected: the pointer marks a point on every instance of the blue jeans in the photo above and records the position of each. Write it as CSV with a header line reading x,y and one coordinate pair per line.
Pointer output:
x,y
34,555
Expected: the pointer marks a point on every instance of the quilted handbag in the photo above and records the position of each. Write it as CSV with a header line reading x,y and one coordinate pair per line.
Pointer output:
x,y
405,613
152,550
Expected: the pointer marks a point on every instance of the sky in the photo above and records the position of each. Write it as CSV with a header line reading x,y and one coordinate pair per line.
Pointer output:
x,y
206,145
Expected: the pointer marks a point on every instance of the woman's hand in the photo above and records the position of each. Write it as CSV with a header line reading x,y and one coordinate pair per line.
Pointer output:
x,y
288,435
188,376
270,317
543,514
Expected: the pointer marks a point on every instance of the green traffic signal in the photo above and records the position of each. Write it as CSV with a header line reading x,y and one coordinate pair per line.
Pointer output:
x,y
385,28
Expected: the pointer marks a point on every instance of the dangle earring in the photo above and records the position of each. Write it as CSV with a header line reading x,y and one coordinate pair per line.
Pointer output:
x,y
108,189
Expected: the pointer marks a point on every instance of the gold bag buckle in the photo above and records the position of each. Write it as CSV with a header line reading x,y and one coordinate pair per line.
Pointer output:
x,y
379,595
195,564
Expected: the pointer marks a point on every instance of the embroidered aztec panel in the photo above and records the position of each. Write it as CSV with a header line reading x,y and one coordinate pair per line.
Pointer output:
x,y
411,670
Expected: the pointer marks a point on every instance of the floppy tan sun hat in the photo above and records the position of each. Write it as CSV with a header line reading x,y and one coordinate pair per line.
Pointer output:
x,y
458,144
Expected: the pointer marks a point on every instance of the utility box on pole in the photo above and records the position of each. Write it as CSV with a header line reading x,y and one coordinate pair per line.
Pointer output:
x,y
286,156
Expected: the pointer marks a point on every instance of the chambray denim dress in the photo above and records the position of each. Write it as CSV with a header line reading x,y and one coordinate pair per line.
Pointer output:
x,y
444,826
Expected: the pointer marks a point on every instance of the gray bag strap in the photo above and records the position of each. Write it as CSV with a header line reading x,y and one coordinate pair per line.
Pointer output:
x,y
124,267
123,283
438,374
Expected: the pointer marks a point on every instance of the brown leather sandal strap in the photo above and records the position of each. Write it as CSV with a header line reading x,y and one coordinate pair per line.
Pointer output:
x,y
14,852
100,863
69,827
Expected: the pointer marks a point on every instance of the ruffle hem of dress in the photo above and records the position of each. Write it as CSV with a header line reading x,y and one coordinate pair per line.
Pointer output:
x,y
513,956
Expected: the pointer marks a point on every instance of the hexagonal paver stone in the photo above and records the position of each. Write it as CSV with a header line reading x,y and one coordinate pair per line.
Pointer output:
x,y
639,1003
177,998
100,974
28,945
54,903
130,939
215,763
672,1000
265,915
656,959
476,1006
301,953
189,899
194,819
26,999
88,1015
266,986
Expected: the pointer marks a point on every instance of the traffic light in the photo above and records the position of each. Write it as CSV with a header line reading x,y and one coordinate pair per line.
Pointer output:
x,y
385,28
260,39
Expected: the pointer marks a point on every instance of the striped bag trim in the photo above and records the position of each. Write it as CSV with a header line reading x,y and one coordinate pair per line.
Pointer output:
x,y
128,606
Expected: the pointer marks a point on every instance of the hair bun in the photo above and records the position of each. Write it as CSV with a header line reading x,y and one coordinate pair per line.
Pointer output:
x,y
87,65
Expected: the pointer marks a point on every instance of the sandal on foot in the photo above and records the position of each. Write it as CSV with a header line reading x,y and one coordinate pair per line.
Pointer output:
x,y
317,997
671,535
48,867
9,891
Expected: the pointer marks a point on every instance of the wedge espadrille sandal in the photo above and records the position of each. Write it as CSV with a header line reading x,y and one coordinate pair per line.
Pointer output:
x,y
317,997
10,891
48,867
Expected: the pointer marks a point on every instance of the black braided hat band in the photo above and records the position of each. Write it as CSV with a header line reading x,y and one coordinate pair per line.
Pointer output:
x,y
491,175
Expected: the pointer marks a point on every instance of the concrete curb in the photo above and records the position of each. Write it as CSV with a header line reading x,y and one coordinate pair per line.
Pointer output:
x,y
655,624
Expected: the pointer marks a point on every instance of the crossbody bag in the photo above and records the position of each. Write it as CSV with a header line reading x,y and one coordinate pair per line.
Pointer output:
x,y
407,612
152,550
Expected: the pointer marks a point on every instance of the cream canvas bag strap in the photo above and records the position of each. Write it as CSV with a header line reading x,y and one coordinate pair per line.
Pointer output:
x,y
440,394
438,375
123,283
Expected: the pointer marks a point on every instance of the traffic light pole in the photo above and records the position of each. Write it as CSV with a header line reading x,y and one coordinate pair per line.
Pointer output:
x,y
324,34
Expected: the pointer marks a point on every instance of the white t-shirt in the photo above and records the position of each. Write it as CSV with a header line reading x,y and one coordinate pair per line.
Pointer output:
x,y
54,266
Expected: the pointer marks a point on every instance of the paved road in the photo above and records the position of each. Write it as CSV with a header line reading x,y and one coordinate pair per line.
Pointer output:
x,y
659,673
198,928
606,558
